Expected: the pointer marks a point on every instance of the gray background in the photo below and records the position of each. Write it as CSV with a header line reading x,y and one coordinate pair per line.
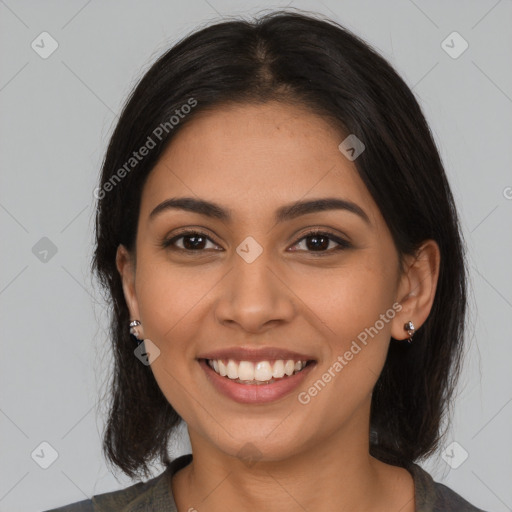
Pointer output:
x,y
56,117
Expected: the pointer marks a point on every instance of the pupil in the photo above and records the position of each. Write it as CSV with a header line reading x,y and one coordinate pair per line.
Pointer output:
x,y
315,240
191,246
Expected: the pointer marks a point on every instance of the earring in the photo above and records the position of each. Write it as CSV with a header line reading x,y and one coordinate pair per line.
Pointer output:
x,y
133,329
409,327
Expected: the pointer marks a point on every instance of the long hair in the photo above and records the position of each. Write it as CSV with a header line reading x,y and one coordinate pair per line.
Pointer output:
x,y
316,63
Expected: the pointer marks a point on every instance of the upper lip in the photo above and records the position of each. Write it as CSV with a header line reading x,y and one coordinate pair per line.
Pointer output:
x,y
255,354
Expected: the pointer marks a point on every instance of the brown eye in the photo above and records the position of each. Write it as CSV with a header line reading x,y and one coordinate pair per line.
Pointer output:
x,y
318,242
322,242
194,242
190,241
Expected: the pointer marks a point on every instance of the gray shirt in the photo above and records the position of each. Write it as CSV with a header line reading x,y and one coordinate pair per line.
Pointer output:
x,y
155,495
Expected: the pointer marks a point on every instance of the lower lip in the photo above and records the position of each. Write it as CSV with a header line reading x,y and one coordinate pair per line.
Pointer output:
x,y
254,393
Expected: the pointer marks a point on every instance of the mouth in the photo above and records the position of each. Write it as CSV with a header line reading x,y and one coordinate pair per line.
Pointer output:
x,y
254,373
256,376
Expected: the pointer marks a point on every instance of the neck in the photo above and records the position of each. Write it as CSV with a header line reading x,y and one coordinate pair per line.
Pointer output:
x,y
337,475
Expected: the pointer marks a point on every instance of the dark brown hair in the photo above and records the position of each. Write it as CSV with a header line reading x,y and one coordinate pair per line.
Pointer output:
x,y
314,62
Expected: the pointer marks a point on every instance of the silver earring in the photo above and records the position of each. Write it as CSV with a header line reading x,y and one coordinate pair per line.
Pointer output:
x,y
133,329
409,327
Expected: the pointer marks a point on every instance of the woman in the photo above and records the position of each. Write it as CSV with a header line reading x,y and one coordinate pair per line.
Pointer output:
x,y
283,255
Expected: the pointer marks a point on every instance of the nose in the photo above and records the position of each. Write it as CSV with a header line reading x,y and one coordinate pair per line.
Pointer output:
x,y
254,297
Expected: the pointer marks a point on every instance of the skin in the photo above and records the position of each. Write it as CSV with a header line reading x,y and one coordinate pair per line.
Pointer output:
x,y
253,159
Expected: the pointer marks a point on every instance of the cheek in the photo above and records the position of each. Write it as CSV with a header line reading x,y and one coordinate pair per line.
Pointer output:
x,y
170,295
170,299
355,306
350,299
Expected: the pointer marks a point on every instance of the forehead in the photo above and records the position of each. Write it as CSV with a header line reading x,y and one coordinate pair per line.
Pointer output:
x,y
256,157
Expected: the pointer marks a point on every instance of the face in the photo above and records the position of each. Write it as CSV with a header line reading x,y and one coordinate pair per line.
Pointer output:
x,y
308,284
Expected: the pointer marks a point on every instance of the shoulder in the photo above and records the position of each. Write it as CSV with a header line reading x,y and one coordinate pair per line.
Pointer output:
x,y
154,495
433,496
450,500
113,501
79,506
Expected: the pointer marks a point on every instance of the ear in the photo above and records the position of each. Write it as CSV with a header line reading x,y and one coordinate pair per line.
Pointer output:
x,y
417,288
125,263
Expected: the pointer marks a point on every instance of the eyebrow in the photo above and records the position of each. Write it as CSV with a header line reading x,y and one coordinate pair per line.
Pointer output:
x,y
283,213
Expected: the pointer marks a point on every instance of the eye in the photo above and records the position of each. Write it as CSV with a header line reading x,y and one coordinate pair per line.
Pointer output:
x,y
317,241
191,241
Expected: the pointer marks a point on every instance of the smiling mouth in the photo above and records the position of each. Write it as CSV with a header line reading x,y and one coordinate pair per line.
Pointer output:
x,y
257,372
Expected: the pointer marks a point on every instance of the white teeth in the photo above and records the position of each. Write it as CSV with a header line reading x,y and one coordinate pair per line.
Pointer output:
x,y
289,367
246,370
261,371
278,372
222,368
232,369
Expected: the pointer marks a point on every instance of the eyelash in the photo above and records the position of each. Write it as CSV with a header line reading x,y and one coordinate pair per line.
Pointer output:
x,y
342,244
